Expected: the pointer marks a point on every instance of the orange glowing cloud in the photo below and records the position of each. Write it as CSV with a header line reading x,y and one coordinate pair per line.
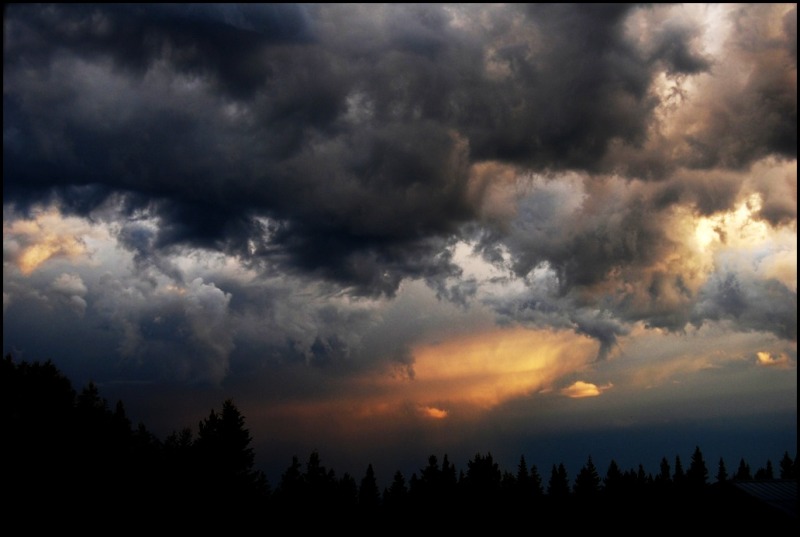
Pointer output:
x,y
433,412
487,369
47,236
580,389
766,359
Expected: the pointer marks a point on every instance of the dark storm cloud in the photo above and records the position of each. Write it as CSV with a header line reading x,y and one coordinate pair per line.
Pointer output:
x,y
337,140
672,46
217,40
708,194
565,93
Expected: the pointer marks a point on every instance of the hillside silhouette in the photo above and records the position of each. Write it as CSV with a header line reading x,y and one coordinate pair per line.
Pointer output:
x,y
69,457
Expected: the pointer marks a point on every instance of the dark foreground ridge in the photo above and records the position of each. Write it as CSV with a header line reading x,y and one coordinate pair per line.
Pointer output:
x,y
68,459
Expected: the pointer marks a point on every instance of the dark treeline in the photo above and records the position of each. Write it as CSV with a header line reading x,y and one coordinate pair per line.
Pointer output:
x,y
69,456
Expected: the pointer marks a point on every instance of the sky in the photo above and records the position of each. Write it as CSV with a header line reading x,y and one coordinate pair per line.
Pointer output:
x,y
391,231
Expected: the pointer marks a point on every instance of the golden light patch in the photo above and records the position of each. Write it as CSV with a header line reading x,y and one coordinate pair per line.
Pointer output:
x,y
580,389
488,369
51,245
433,412
48,235
766,359
737,228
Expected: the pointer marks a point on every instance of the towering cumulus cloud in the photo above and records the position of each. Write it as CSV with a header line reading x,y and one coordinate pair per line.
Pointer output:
x,y
355,193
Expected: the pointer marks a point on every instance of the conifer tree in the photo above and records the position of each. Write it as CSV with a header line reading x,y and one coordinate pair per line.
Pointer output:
x,y
587,483
368,493
558,486
483,478
697,475
536,482
722,472
678,477
614,480
227,459
396,496
743,472
523,482
664,472
346,495
448,481
766,473
787,467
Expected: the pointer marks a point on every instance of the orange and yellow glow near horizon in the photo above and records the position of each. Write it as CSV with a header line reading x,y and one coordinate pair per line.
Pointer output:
x,y
485,370
463,376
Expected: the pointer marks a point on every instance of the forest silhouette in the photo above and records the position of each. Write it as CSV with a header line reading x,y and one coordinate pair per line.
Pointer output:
x,y
70,457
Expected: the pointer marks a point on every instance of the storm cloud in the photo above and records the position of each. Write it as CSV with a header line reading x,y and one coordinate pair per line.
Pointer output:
x,y
258,131
216,193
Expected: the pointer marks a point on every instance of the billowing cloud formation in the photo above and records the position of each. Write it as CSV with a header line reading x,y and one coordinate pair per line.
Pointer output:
x,y
478,203
267,133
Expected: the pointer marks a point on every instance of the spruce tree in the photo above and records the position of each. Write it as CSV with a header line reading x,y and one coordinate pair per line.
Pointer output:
x,y
536,482
743,472
787,467
558,486
678,477
722,472
614,480
697,475
368,493
587,483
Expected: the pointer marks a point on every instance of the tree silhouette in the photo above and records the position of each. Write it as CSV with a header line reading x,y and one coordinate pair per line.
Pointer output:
x,y
448,481
678,477
180,468
346,494
290,492
788,467
536,482
425,489
482,480
643,479
765,473
39,439
722,472
587,483
614,481
743,472
67,452
558,486
368,494
697,475
226,464
396,496
528,484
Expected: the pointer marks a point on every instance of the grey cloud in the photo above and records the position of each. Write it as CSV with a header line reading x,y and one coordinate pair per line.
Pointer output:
x,y
222,41
707,193
71,290
602,326
765,305
185,334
